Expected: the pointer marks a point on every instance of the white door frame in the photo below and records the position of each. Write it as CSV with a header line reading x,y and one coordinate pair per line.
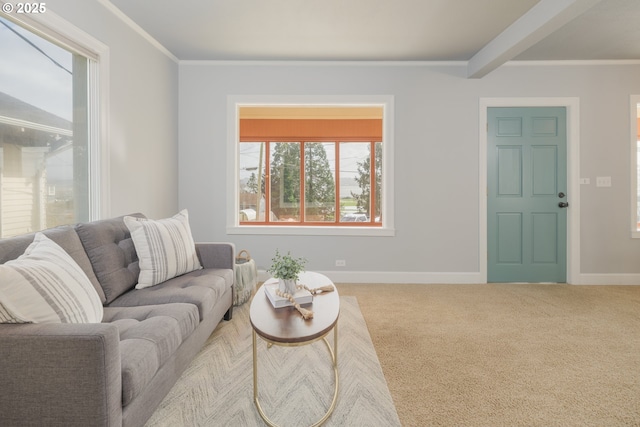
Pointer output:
x,y
573,175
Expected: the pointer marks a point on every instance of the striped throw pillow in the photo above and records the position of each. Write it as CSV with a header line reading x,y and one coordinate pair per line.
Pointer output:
x,y
165,248
45,285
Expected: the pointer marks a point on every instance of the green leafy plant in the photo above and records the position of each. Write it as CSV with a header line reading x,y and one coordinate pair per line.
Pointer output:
x,y
286,266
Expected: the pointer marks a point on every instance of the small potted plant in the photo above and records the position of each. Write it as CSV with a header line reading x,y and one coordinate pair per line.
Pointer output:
x,y
287,269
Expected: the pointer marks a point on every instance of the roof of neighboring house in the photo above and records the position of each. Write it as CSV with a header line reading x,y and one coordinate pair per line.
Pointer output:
x,y
16,109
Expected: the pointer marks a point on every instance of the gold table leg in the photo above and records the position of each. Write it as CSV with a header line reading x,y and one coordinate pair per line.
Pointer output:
x,y
333,352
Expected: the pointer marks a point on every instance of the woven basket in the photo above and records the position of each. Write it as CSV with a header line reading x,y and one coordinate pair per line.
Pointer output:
x,y
243,256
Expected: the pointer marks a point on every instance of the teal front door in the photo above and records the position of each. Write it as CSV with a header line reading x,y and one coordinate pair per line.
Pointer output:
x,y
527,194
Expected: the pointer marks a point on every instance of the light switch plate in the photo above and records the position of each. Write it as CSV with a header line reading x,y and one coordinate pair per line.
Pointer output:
x,y
585,181
603,181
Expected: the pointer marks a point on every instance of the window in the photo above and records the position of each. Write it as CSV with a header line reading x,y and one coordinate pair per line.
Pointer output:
x,y
46,125
312,166
635,165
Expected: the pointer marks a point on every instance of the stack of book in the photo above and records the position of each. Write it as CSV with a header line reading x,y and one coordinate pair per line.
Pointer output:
x,y
302,296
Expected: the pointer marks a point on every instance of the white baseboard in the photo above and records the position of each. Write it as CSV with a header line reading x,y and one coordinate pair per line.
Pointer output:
x,y
401,277
454,278
394,277
608,279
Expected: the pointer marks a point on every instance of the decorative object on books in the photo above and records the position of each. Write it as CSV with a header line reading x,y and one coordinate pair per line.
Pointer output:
x,y
281,299
302,295
278,300
286,268
306,314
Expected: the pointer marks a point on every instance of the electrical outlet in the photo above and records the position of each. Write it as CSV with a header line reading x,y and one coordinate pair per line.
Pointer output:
x,y
603,181
341,263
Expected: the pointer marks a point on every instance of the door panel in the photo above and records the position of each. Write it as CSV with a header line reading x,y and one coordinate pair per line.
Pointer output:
x,y
526,172
544,159
509,238
544,249
509,171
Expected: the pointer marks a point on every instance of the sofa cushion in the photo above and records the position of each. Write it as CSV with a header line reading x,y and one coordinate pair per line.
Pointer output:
x,y
45,285
113,257
149,337
203,288
165,248
66,237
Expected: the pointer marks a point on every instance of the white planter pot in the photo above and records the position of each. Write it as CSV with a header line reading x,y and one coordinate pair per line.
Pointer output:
x,y
288,286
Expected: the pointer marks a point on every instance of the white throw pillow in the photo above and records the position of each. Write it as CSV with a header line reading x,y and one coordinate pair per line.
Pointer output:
x,y
165,248
45,285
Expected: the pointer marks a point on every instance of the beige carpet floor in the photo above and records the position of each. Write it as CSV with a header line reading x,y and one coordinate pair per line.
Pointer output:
x,y
507,354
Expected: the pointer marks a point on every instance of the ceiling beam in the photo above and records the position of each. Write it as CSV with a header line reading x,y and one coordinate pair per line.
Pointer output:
x,y
541,20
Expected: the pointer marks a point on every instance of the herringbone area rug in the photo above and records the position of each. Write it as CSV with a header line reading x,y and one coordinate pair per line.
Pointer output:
x,y
295,383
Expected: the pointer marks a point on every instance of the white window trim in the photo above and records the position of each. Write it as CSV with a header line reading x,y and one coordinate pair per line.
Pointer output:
x,y
634,100
233,104
53,27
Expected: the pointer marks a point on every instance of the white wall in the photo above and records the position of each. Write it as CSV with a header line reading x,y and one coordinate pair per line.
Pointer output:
x,y
436,151
436,162
143,112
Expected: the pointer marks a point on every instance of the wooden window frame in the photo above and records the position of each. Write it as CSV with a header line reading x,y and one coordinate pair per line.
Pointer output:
x,y
302,208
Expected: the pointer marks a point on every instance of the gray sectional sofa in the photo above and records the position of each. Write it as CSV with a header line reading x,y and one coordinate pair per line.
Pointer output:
x,y
113,373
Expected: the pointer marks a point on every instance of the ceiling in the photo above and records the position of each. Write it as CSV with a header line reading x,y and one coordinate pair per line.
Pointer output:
x,y
486,33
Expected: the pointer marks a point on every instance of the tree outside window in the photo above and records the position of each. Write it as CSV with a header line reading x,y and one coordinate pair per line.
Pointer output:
x,y
320,186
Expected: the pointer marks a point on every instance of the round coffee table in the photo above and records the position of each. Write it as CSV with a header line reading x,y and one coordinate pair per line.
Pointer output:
x,y
286,327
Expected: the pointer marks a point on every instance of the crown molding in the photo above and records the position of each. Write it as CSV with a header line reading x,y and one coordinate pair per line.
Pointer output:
x,y
574,62
293,63
322,63
138,29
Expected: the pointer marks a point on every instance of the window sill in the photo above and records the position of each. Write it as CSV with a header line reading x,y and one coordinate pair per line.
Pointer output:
x,y
312,231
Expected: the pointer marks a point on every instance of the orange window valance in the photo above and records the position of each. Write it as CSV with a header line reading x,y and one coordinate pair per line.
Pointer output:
x,y
253,130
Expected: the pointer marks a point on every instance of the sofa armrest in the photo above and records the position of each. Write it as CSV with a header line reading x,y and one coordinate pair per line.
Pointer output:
x,y
216,254
219,255
60,374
